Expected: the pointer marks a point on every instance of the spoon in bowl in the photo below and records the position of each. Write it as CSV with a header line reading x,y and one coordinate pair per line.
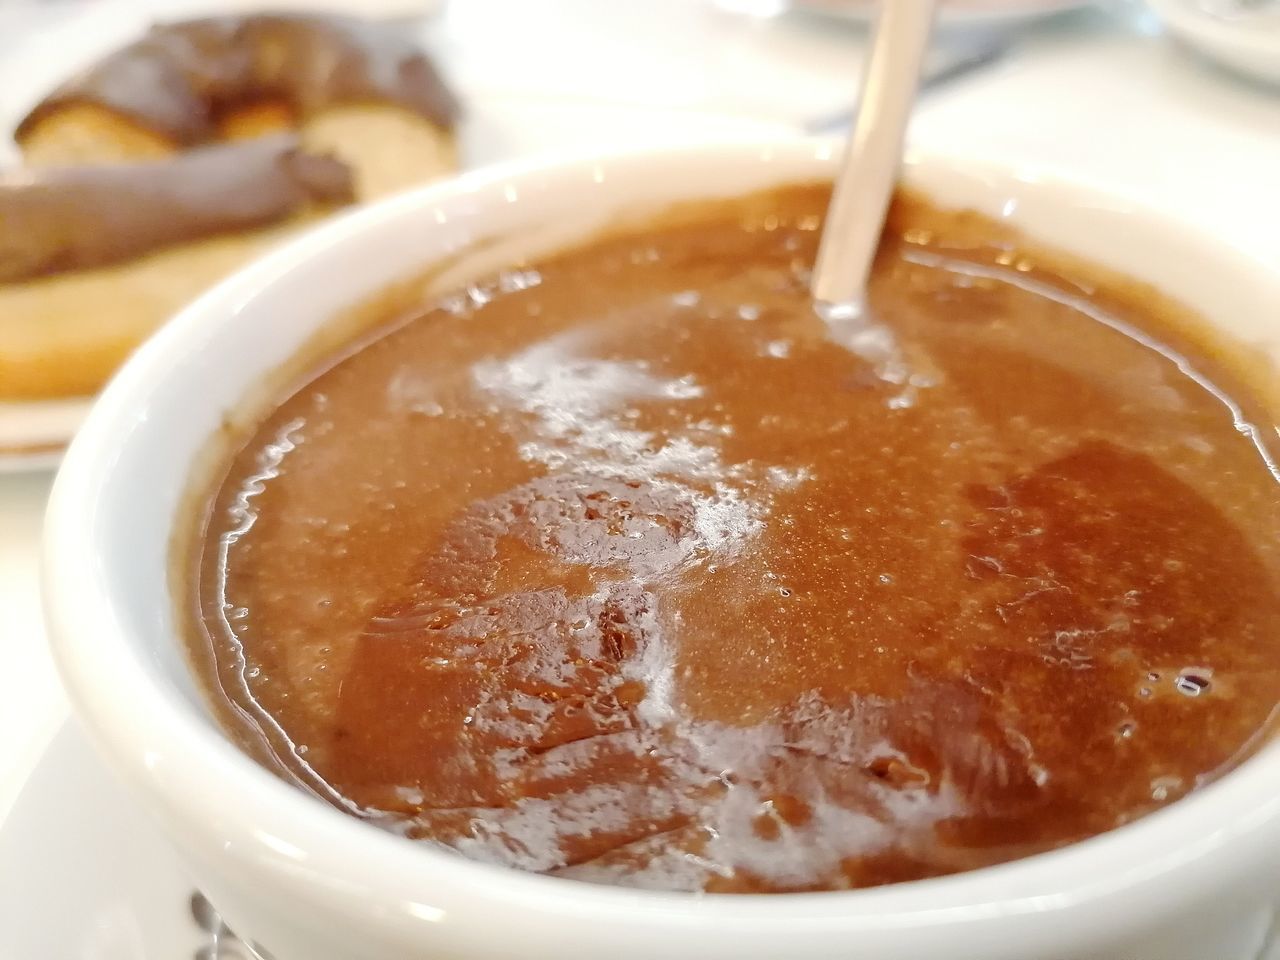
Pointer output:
x,y
869,171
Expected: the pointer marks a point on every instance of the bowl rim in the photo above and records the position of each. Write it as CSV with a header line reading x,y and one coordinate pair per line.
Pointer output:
x,y
1193,848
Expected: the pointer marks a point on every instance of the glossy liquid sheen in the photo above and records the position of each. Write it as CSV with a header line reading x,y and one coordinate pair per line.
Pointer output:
x,y
626,566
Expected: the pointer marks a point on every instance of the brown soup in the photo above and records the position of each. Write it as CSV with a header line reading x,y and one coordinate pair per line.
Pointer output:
x,y
625,566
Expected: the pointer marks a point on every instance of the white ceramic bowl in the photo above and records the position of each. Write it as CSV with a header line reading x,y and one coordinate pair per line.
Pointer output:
x,y
1192,882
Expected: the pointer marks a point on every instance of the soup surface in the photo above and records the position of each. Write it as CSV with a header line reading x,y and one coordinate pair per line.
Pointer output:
x,y
625,565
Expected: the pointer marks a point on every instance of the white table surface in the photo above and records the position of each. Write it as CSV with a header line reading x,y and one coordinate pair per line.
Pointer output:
x,y
1094,97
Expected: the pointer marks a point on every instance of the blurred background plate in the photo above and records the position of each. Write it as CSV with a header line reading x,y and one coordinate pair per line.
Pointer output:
x,y
966,13
33,435
1241,35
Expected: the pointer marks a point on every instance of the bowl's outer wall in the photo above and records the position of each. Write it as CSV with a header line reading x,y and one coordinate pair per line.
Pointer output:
x,y
313,885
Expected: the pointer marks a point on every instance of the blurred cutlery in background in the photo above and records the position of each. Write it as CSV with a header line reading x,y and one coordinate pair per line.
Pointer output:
x,y
947,61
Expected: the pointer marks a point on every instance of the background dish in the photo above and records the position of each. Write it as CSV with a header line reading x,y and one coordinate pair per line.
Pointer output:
x,y
33,435
1243,37
954,13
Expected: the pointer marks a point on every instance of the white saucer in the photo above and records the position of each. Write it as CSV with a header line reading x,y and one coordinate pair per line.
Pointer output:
x,y
83,876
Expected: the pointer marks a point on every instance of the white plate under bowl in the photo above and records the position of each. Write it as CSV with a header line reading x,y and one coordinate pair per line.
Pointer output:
x,y
94,882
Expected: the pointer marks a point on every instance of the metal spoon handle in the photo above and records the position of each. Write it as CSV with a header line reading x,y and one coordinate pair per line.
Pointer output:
x,y
855,217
